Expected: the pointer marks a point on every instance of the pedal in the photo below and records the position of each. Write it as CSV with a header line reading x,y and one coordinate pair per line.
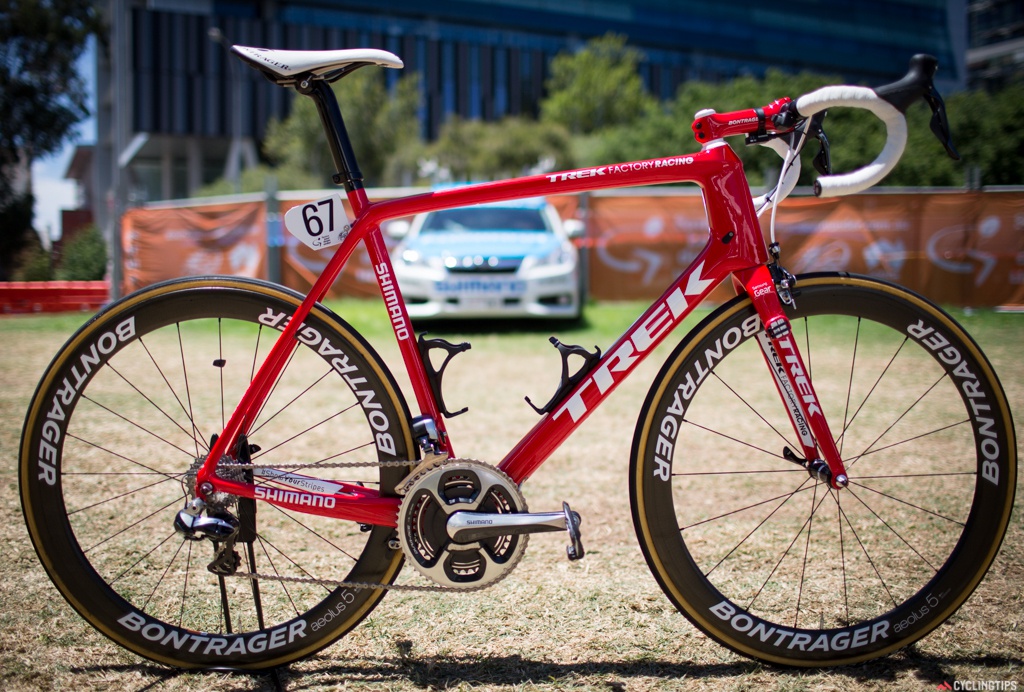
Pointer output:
x,y
573,520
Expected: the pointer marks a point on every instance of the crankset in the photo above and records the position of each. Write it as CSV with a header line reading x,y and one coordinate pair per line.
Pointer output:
x,y
464,525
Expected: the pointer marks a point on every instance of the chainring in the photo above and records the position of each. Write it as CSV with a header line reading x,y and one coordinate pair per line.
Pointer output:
x,y
435,493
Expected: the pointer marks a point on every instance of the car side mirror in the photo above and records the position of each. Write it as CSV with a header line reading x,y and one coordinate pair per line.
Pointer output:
x,y
574,228
397,229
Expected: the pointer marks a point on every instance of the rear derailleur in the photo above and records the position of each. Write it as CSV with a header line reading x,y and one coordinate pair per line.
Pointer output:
x,y
220,527
211,519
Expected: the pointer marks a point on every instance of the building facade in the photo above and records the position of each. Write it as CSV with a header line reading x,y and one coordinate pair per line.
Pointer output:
x,y
176,111
995,36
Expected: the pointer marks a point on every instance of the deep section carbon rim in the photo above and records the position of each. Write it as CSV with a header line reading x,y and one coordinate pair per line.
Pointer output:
x,y
772,562
116,428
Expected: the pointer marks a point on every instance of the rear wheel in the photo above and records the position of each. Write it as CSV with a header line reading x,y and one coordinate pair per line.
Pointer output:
x,y
114,434
777,565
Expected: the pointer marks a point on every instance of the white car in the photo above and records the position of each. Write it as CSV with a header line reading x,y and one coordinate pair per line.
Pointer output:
x,y
509,259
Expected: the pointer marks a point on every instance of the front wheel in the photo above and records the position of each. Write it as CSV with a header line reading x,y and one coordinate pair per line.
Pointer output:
x,y
773,563
117,428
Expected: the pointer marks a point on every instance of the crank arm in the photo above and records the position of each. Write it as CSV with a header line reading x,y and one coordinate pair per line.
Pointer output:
x,y
466,527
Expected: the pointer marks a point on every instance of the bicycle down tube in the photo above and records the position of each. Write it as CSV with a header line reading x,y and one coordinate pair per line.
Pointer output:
x,y
734,244
737,489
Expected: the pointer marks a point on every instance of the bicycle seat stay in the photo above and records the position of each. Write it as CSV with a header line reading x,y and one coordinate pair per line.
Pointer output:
x,y
821,472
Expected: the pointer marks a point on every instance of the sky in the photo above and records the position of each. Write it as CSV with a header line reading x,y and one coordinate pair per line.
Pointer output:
x,y
52,191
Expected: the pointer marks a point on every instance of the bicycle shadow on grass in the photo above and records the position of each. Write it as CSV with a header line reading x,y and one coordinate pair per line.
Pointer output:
x,y
443,672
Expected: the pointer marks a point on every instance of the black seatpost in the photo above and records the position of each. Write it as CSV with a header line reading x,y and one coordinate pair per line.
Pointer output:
x,y
337,136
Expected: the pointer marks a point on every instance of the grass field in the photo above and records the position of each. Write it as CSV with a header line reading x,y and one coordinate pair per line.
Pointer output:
x,y
601,623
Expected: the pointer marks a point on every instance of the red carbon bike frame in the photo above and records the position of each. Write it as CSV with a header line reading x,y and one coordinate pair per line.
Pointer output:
x,y
735,247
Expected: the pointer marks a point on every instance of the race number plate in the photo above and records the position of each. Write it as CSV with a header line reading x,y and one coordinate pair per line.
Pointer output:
x,y
318,224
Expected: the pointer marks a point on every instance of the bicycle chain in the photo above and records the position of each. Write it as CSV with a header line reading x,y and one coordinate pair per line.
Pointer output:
x,y
332,465
353,584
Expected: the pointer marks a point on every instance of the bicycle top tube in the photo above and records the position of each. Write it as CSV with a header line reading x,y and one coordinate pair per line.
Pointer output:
x,y
735,242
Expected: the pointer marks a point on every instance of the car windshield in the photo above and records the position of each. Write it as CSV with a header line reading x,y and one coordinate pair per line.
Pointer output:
x,y
486,219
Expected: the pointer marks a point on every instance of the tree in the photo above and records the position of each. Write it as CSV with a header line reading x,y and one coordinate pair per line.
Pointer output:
x,y
476,150
84,257
34,262
986,130
382,125
42,98
596,87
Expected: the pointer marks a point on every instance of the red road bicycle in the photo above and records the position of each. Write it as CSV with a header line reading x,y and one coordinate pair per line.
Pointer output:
x,y
219,472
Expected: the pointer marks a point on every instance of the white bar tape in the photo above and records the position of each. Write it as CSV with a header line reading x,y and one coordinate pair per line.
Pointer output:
x,y
896,136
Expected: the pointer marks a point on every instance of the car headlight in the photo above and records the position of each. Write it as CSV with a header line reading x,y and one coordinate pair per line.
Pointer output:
x,y
563,254
415,258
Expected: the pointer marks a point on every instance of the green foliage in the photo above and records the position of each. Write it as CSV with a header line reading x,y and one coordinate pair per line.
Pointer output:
x,y
15,229
986,130
33,262
42,98
924,163
382,125
289,177
596,87
475,150
597,112
656,133
84,257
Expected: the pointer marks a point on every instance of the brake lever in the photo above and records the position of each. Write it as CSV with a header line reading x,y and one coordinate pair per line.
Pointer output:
x,y
939,122
917,83
823,159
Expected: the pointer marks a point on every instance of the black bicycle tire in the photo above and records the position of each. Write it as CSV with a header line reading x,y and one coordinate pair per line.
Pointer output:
x,y
730,623
53,536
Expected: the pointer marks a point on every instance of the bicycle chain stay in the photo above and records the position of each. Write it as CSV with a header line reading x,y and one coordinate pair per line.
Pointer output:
x,y
341,583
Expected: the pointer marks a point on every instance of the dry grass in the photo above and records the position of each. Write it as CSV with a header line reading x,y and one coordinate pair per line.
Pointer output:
x,y
601,623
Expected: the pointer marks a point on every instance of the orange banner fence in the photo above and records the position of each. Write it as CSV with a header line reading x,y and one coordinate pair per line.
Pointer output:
x,y
962,248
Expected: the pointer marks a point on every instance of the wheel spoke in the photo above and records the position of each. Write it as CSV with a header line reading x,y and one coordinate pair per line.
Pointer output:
x,y
281,410
170,387
731,438
763,521
308,429
134,524
169,417
137,426
128,440
149,469
867,556
908,504
878,380
816,579
753,410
